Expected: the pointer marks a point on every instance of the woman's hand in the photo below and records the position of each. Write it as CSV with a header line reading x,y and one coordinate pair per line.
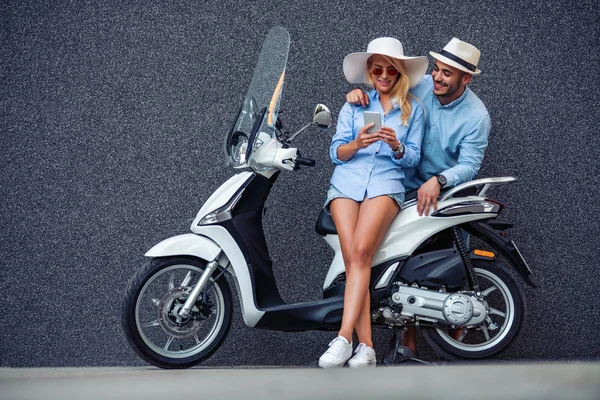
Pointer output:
x,y
364,138
388,135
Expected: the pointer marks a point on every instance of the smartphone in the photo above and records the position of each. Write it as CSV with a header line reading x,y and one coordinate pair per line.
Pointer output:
x,y
375,117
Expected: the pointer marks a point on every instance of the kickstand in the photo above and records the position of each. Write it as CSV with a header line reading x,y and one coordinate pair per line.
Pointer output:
x,y
405,353
397,342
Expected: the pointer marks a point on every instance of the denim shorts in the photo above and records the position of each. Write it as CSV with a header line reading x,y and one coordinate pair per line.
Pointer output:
x,y
334,193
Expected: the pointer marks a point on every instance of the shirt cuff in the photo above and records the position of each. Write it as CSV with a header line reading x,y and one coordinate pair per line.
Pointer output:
x,y
333,154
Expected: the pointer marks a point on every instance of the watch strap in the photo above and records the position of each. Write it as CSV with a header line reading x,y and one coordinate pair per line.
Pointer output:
x,y
441,179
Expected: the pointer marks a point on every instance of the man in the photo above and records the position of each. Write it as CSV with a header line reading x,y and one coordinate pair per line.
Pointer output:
x,y
457,126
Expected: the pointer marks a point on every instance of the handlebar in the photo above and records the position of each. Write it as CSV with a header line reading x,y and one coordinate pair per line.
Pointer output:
x,y
304,161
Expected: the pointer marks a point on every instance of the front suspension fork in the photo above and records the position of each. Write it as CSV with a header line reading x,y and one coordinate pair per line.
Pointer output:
x,y
191,300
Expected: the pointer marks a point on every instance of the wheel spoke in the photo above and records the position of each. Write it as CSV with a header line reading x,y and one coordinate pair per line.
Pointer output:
x,y
186,281
497,312
463,335
171,281
485,332
169,341
196,338
152,323
489,290
156,302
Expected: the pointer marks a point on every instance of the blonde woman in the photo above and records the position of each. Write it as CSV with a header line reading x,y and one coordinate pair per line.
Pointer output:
x,y
367,189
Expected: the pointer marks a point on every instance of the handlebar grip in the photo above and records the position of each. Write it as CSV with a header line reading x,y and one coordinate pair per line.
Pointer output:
x,y
305,161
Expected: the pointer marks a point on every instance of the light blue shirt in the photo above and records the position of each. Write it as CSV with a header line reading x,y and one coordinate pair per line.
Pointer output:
x,y
374,171
456,136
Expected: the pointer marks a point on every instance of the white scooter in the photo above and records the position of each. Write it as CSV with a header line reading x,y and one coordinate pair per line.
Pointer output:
x,y
178,306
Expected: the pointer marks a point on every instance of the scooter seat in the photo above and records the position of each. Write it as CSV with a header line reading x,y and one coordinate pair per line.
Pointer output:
x,y
411,195
325,225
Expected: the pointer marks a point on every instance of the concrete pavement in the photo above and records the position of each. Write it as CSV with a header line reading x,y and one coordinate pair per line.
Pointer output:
x,y
472,381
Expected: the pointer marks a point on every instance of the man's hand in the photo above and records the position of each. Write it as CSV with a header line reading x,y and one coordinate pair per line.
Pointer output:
x,y
427,195
358,96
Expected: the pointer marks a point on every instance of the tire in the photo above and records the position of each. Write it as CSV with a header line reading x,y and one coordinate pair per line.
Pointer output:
x,y
148,314
504,296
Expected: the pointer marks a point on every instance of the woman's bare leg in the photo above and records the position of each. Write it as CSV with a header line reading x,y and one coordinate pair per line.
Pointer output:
x,y
345,216
363,324
374,218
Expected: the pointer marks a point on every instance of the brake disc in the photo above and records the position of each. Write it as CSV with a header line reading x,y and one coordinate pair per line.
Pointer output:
x,y
168,313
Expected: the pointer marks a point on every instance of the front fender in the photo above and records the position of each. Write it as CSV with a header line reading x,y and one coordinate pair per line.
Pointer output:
x,y
187,244
207,242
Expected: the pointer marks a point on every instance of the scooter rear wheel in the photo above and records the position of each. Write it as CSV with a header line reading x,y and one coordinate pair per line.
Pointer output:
x,y
150,317
507,307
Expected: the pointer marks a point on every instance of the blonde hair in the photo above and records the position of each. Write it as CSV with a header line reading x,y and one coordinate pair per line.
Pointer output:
x,y
399,92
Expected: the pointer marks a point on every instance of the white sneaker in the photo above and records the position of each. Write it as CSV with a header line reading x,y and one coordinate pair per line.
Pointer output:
x,y
337,354
365,357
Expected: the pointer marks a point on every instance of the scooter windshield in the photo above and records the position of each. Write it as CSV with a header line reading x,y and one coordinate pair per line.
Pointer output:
x,y
255,123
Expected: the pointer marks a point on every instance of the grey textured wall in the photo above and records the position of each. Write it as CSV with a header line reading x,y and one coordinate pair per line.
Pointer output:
x,y
113,115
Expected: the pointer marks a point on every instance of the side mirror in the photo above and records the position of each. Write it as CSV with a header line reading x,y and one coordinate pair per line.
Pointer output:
x,y
322,116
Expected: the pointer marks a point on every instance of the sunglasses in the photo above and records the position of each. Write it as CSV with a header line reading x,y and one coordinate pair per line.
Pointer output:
x,y
391,71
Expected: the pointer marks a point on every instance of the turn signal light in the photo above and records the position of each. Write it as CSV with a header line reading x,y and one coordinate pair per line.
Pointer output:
x,y
484,253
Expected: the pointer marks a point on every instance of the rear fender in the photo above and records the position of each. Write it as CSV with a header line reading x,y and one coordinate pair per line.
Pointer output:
x,y
495,238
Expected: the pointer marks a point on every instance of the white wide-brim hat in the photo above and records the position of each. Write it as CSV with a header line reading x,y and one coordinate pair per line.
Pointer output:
x,y
460,55
355,64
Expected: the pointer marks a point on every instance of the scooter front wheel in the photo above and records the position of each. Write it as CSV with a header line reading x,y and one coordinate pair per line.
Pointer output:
x,y
150,313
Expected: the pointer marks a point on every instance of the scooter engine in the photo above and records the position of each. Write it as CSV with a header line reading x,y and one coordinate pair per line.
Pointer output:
x,y
409,302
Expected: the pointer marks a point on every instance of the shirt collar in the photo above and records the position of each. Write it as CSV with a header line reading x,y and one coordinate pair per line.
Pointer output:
x,y
457,101
374,94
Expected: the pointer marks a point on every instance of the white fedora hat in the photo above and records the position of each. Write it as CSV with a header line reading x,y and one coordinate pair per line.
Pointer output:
x,y
460,55
355,64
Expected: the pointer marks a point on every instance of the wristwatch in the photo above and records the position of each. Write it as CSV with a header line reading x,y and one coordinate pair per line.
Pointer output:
x,y
442,180
400,149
